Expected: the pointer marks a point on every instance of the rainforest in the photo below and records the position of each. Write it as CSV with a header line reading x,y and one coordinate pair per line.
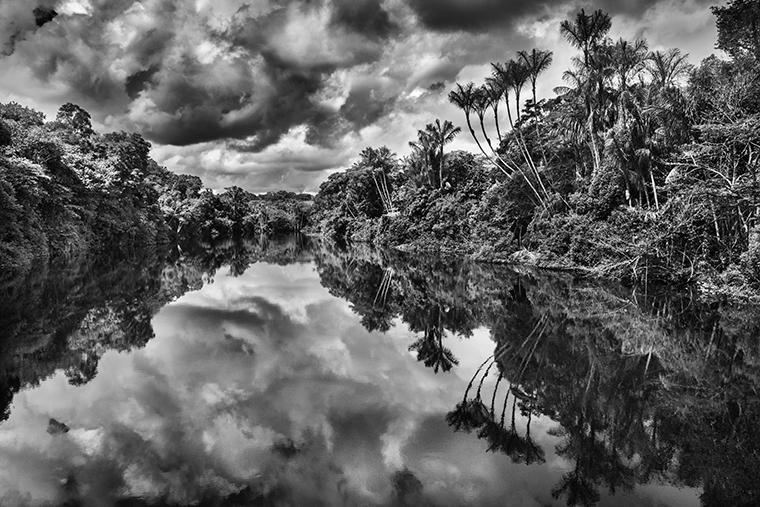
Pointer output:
x,y
566,316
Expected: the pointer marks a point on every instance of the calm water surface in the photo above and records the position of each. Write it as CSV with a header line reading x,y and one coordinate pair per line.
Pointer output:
x,y
287,375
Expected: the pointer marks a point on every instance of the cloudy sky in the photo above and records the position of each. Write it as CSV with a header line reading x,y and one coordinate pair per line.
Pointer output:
x,y
269,94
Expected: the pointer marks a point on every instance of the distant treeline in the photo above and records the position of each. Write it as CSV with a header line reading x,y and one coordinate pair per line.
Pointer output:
x,y
642,167
67,191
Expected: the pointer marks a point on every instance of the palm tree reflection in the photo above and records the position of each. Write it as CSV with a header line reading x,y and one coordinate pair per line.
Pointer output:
x,y
429,347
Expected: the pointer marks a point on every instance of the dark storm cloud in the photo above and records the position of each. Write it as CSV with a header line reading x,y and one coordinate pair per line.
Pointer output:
x,y
636,8
366,103
475,15
43,15
364,16
139,81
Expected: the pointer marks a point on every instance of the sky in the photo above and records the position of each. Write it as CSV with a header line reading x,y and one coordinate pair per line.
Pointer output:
x,y
278,94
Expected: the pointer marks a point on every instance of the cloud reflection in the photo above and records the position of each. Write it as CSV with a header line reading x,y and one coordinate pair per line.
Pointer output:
x,y
262,388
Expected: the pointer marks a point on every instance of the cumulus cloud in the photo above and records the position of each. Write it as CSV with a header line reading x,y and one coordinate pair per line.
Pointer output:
x,y
247,77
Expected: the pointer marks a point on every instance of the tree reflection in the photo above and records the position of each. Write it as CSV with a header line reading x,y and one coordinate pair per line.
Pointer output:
x,y
640,385
429,347
66,318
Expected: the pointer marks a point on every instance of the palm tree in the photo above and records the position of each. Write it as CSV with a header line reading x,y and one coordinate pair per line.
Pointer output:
x,y
430,144
380,160
667,66
464,98
502,76
495,91
518,74
441,134
586,31
537,62
482,101
627,59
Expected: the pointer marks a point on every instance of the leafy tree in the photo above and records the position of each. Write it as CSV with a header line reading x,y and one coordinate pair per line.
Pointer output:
x,y
739,28
23,115
76,118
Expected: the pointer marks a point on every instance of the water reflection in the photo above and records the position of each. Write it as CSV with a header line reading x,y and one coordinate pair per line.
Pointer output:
x,y
329,377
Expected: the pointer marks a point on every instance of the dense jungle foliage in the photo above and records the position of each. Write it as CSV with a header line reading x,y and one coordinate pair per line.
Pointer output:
x,y
642,167
67,191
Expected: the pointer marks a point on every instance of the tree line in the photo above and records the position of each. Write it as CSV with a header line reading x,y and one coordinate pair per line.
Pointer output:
x,y
642,166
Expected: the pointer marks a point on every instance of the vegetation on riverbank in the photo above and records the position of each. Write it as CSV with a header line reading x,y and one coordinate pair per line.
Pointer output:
x,y
642,168
67,191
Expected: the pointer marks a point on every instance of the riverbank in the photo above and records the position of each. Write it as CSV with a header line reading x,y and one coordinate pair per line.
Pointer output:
x,y
69,193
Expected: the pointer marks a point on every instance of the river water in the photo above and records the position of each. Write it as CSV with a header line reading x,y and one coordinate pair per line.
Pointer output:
x,y
284,373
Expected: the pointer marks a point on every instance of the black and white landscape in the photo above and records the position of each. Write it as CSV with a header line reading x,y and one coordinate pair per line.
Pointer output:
x,y
379,252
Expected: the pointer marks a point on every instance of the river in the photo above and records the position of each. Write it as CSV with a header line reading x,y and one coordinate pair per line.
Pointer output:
x,y
289,373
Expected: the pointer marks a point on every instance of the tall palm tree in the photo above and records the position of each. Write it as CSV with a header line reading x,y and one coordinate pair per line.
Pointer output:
x,y
627,59
501,75
495,91
442,134
430,144
481,103
537,62
586,31
518,74
464,98
667,66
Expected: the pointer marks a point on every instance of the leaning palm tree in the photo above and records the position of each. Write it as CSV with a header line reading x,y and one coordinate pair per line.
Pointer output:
x,y
667,66
464,98
482,101
501,75
537,62
495,91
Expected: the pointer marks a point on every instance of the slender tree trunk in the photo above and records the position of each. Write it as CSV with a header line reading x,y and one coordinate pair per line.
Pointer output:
x,y
472,380
496,119
517,103
472,133
654,189
440,169
509,111
538,122
594,148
